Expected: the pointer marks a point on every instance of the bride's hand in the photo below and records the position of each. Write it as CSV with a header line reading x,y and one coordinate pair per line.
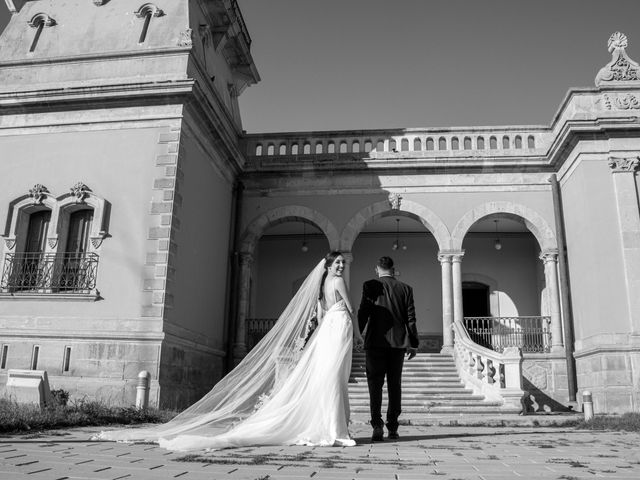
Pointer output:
x,y
358,341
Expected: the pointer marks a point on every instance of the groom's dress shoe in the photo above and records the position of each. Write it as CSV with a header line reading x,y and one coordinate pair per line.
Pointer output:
x,y
378,434
394,435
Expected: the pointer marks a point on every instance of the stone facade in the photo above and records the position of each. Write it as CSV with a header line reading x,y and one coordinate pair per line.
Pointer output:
x,y
196,226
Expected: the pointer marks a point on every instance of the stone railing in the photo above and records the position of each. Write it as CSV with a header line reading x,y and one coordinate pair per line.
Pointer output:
x,y
372,144
497,376
530,334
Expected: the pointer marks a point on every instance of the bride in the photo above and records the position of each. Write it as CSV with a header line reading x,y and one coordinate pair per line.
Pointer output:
x,y
291,388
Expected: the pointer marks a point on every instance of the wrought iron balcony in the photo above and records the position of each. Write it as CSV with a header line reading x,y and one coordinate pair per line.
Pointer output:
x,y
69,273
530,334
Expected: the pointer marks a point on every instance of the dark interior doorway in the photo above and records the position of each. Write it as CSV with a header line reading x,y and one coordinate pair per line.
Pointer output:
x,y
475,299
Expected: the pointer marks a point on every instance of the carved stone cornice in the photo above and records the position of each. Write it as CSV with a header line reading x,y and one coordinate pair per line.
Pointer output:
x,y
621,165
621,68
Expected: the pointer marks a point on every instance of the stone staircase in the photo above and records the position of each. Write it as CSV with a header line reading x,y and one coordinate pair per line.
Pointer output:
x,y
430,385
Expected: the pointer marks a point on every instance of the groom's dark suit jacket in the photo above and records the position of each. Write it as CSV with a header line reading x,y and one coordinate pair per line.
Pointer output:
x,y
388,312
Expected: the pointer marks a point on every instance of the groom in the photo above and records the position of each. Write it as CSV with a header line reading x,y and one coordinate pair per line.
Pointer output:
x,y
388,312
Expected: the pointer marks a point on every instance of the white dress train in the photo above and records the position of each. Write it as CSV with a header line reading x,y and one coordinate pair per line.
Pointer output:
x,y
311,407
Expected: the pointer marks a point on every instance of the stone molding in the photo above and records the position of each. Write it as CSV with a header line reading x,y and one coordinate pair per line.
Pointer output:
x,y
622,101
549,256
533,220
258,225
621,69
186,38
622,165
428,218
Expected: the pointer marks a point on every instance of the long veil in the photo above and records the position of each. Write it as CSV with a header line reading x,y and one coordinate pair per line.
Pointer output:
x,y
258,376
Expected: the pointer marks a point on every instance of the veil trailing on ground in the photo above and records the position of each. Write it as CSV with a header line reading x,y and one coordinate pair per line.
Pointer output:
x,y
243,390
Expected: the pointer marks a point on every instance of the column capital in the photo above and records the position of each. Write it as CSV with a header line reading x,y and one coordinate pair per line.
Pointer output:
x,y
456,255
549,255
444,257
621,165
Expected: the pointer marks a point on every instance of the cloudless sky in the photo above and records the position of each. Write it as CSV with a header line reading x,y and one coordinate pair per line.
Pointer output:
x,y
359,64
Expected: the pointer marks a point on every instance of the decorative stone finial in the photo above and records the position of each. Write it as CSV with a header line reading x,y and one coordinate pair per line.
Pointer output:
x,y
621,68
81,191
395,200
186,38
38,193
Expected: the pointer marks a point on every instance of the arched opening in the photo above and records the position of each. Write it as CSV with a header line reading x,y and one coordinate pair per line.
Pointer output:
x,y
503,289
402,236
284,255
417,145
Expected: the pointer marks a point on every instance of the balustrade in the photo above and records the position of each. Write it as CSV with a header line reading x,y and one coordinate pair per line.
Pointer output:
x,y
256,329
530,334
496,375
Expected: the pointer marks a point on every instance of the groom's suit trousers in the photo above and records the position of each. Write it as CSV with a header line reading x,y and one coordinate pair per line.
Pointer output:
x,y
381,362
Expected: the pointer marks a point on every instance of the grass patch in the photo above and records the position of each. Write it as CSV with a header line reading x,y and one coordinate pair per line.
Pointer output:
x,y
628,422
16,418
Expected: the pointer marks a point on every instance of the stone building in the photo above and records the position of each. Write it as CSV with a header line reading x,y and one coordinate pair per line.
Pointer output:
x,y
144,230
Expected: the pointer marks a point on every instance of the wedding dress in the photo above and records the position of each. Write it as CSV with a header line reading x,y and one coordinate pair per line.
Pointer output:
x,y
284,392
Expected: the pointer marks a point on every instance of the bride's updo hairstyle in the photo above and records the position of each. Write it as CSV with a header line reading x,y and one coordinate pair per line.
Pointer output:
x,y
328,261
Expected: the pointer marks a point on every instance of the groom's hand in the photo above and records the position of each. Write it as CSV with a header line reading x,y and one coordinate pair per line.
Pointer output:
x,y
411,352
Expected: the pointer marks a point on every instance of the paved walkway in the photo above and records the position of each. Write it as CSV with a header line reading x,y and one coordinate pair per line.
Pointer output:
x,y
423,452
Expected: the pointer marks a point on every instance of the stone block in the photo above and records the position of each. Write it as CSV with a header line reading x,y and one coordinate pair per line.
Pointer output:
x,y
28,387
151,311
162,183
161,207
154,284
169,137
159,232
166,159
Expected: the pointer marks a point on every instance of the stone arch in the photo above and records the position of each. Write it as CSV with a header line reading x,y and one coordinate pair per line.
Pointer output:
x,y
256,228
533,220
430,220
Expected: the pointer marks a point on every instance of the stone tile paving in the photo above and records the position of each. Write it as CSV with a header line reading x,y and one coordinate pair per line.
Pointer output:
x,y
448,453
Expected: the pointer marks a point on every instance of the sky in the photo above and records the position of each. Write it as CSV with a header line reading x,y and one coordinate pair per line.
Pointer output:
x,y
362,64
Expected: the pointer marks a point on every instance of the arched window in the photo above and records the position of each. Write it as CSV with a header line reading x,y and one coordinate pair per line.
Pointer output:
x,y
417,144
306,150
505,143
493,143
442,143
271,149
430,145
454,143
367,146
404,145
343,147
467,143
380,146
480,143
318,148
331,147
294,149
531,142
518,141
258,149
283,149
355,146
392,145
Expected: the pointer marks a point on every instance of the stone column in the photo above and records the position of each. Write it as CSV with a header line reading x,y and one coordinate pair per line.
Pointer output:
x,y
244,287
447,303
456,269
550,259
624,183
348,259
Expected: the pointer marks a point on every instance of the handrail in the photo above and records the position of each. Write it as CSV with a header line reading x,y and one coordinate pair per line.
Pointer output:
x,y
497,376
